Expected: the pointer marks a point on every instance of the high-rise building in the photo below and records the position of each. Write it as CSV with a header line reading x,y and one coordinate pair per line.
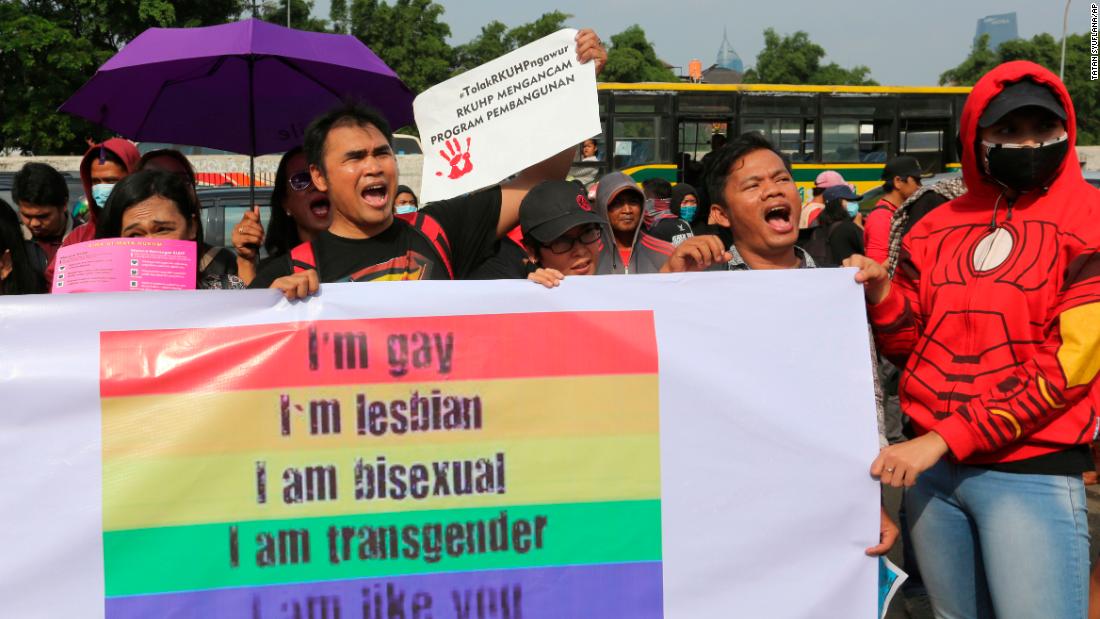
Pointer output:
x,y
727,58
1000,28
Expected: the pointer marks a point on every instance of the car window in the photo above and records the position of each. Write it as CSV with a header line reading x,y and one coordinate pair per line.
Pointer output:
x,y
406,145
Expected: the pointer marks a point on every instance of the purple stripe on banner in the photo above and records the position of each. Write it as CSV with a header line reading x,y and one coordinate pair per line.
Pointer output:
x,y
580,591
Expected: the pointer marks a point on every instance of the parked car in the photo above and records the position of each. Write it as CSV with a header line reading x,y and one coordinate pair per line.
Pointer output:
x,y
145,147
223,208
407,144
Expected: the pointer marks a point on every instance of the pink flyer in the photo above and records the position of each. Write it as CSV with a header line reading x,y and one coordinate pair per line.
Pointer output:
x,y
114,265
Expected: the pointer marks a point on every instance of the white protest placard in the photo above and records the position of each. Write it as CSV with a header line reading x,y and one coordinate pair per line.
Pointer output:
x,y
485,125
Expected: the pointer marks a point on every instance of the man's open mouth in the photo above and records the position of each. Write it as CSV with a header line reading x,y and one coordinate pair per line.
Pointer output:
x,y
374,195
778,218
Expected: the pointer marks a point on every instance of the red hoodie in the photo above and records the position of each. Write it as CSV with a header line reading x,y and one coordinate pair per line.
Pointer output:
x,y
1001,357
130,156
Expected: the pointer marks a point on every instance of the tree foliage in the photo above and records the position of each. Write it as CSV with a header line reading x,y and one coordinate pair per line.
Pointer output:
x,y
496,39
301,15
631,58
48,49
795,59
1045,50
338,16
407,35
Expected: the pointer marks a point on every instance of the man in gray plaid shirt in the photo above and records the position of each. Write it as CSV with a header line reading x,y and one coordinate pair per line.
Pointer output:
x,y
754,195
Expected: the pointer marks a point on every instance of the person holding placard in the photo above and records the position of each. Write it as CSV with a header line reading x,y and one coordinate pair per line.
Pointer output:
x,y
351,158
752,189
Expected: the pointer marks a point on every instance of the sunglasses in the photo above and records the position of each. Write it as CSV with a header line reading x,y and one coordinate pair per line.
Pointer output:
x,y
301,181
564,244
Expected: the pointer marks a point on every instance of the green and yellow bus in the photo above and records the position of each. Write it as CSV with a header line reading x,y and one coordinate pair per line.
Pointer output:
x,y
658,129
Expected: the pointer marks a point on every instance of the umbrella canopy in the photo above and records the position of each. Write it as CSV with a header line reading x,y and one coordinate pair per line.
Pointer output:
x,y
249,87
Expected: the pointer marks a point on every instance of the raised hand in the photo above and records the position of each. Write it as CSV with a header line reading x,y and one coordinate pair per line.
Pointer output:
x,y
249,235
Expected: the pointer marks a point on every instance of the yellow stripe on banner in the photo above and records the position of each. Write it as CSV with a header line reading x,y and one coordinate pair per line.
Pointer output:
x,y
251,421
174,491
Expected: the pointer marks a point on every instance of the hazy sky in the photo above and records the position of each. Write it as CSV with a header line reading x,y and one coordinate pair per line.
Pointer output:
x,y
904,43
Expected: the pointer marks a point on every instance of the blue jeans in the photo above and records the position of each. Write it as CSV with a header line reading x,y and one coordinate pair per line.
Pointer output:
x,y
1002,545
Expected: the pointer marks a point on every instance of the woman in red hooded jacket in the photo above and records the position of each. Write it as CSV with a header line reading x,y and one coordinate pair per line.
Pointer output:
x,y
994,312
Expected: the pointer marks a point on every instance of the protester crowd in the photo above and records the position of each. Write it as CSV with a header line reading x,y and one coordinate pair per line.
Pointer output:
x,y
983,293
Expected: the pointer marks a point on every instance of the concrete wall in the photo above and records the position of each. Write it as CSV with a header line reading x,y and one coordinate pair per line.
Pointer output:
x,y
409,166
1090,155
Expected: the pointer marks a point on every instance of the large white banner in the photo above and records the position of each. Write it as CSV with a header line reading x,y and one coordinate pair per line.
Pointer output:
x,y
493,121
646,446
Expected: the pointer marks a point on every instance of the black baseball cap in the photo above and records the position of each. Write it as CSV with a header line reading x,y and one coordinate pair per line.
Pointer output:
x,y
840,192
904,166
1024,93
551,208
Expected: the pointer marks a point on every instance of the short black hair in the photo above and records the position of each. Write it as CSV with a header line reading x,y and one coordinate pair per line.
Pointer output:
x,y
406,189
657,188
347,113
141,186
41,185
729,155
817,191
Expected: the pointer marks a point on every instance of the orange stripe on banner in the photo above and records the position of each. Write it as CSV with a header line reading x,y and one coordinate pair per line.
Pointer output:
x,y
381,350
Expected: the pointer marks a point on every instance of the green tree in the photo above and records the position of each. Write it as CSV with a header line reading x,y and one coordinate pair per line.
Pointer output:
x,y
795,59
631,58
408,35
496,39
1045,50
301,15
48,49
491,43
338,15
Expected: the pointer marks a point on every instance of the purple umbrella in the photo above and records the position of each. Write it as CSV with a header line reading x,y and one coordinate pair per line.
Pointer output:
x,y
247,87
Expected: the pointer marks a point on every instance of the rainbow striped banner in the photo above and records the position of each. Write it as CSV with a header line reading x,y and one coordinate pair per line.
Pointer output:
x,y
460,466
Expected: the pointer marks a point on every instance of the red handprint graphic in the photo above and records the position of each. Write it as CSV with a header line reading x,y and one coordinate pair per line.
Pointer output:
x,y
457,158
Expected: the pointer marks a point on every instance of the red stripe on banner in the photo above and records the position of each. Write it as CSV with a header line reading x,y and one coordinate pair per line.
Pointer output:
x,y
383,350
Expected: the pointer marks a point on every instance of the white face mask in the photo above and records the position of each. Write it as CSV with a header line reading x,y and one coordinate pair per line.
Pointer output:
x,y
101,192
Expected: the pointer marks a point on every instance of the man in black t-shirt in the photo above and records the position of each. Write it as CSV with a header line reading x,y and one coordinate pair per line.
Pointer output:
x,y
351,159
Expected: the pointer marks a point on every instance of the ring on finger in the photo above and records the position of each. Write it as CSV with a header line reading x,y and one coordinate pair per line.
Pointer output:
x,y
889,469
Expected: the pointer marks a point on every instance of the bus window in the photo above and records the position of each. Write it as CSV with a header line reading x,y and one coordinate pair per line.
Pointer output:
x,y
925,124
695,136
638,141
792,136
788,122
857,129
925,140
694,144
707,105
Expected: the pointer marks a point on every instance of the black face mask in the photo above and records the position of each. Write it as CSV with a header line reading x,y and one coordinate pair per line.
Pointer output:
x,y
1024,169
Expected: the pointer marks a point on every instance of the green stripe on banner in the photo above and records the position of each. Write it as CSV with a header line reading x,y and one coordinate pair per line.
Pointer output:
x,y
170,559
